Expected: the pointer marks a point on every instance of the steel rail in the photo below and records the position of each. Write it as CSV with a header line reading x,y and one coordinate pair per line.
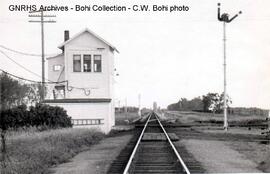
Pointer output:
x,y
136,146
174,149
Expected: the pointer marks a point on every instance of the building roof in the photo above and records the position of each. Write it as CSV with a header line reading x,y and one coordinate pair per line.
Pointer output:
x,y
55,56
91,32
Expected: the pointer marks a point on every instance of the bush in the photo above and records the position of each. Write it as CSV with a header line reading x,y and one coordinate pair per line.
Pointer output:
x,y
40,116
51,116
14,118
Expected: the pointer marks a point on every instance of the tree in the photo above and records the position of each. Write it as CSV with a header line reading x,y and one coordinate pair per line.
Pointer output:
x,y
214,102
210,101
173,107
13,93
220,105
184,104
34,93
196,104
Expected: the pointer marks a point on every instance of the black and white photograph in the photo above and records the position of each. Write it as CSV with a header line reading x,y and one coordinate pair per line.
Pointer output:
x,y
134,87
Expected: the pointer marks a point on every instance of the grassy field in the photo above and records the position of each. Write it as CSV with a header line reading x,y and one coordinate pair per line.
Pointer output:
x,y
31,151
256,152
34,152
191,117
125,118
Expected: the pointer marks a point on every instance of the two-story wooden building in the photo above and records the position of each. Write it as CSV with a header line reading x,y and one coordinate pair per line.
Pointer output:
x,y
87,67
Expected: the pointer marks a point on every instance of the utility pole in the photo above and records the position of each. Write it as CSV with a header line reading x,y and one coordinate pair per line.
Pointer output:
x,y
139,105
126,108
42,21
225,19
119,106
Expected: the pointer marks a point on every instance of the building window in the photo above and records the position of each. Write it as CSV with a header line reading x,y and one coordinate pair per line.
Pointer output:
x,y
77,122
57,67
86,63
97,63
77,63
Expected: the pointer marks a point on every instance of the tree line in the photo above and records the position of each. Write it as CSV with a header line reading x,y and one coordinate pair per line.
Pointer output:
x,y
211,102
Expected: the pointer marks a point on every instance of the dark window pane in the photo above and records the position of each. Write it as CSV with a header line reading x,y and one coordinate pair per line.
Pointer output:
x,y
77,63
86,63
97,63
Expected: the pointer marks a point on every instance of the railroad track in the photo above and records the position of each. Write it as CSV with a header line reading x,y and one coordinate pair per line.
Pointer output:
x,y
152,151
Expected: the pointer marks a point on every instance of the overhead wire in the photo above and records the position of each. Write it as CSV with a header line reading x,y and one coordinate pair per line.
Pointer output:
x,y
26,69
24,53
29,80
87,91
69,88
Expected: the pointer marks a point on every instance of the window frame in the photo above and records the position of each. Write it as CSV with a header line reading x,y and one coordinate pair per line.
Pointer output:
x,y
93,58
77,60
83,55
94,70
57,65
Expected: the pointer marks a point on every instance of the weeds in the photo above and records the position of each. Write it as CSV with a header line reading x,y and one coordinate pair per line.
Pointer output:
x,y
34,152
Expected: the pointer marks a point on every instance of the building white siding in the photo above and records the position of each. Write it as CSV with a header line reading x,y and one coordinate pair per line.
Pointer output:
x,y
56,75
90,111
100,84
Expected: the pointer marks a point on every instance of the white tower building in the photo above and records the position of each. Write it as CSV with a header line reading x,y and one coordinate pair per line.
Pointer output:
x,y
87,67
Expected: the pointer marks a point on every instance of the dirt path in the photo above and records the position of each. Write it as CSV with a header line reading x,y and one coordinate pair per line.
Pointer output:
x,y
97,160
217,157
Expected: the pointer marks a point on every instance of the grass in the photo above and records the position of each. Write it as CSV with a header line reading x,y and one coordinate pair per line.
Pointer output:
x,y
125,118
255,151
34,152
191,117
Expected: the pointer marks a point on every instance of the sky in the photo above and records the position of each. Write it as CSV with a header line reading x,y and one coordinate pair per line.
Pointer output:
x,y
164,56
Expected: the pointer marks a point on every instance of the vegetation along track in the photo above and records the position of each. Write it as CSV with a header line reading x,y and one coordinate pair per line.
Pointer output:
x,y
151,150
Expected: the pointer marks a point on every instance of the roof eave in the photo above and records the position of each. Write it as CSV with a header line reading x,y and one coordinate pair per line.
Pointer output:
x,y
61,46
52,57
